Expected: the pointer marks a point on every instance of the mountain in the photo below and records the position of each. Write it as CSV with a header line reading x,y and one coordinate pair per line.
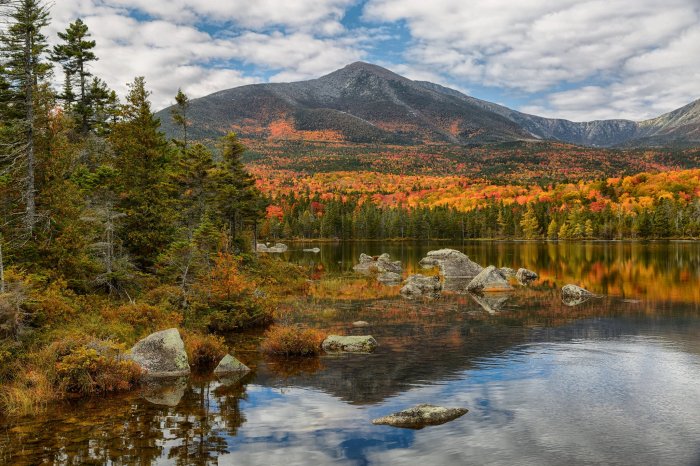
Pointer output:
x,y
365,103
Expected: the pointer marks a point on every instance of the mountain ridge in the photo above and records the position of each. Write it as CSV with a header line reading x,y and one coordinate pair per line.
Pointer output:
x,y
366,103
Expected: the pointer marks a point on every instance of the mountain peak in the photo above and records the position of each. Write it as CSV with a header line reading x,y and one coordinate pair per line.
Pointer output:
x,y
369,68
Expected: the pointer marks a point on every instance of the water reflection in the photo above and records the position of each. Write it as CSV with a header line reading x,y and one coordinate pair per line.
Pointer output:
x,y
610,381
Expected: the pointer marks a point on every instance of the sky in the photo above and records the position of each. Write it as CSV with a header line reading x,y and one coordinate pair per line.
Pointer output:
x,y
575,59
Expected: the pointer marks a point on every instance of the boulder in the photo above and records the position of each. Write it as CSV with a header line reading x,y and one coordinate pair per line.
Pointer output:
x,y
161,354
389,278
349,344
420,285
229,364
488,280
573,295
380,265
277,248
525,276
451,262
421,416
506,272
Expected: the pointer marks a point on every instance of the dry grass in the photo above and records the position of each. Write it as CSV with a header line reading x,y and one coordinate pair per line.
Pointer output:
x,y
292,340
351,289
204,350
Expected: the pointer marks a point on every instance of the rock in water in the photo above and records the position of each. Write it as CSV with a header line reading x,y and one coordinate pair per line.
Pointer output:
x,y
489,280
452,263
381,265
349,344
161,354
389,278
277,248
506,272
420,285
314,250
525,276
421,416
573,295
360,323
491,303
229,364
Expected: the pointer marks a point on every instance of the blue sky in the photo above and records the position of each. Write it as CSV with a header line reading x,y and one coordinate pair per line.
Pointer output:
x,y
575,59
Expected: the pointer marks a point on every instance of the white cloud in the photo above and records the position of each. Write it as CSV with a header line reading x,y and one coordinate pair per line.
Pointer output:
x,y
601,46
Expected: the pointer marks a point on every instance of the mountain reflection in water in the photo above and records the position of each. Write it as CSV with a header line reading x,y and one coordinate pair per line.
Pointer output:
x,y
611,381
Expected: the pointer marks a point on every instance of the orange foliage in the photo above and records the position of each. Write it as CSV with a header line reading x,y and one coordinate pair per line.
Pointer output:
x,y
292,341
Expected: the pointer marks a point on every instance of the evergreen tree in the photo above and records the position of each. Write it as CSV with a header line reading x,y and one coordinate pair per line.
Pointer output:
x,y
179,115
75,54
23,50
552,229
529,223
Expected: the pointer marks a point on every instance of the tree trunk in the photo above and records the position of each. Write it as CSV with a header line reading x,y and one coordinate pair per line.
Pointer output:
x,y
29,192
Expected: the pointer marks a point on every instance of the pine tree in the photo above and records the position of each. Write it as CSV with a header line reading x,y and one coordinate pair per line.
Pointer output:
x,y
563,231
24,48
179,115
588,229
75,54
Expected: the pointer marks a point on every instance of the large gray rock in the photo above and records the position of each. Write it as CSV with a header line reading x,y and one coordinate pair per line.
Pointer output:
x,y
419,285
421,416
229,364
452,263
349,344
161,354
379,265
525,276
506,272
389,278
573,295
276,249
489,280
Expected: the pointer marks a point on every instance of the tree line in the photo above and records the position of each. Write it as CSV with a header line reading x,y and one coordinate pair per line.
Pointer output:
x,y
307,216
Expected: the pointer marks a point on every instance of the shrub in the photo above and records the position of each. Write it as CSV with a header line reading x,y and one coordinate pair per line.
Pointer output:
x,y
204,350
292,341
97,367
144,318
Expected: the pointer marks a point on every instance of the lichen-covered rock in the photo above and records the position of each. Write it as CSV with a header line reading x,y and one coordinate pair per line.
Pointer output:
x,y
380,265
389,278
488,280
573,295
277,248
421,416
161,354
525,276
421,286
506,272
349,344
229,364
451,262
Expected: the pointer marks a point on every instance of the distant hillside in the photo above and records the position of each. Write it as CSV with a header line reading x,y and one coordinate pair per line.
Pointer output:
x,y
365,103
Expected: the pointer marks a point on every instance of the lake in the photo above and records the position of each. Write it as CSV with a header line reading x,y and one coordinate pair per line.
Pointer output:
x,y
615,380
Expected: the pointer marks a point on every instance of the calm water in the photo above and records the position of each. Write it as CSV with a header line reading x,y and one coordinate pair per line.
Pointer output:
x,y
615,380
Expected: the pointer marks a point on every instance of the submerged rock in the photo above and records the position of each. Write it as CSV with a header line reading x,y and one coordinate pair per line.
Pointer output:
x,y
350,344
525,276
421,416
165,392
489,280
420,285
451,262
573,295
229,364
161,354
277,248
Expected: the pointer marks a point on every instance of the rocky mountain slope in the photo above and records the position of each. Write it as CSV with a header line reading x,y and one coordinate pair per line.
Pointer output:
x,y
365,103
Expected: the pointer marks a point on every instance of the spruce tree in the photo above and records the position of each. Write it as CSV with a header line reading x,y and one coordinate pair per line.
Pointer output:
x,y
75,54
179,115
529,223
23,51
